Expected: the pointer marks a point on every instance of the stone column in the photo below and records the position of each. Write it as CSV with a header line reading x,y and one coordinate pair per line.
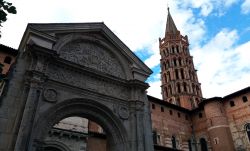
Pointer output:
x,y
28,117
142,128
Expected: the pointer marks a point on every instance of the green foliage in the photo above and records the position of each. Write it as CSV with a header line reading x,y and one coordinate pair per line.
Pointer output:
x,y
5,8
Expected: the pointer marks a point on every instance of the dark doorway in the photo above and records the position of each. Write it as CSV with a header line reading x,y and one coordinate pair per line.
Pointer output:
x,y
173,142
203,143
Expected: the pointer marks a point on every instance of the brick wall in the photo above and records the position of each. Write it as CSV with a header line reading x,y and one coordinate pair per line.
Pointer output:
x,y
168,122
238,113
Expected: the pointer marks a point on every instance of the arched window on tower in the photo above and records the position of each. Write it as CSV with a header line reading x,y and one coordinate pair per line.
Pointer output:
x,y
185,86
194,90
163,53
178,88
173,139
180,63
170,90
182,74
168,76
183,49
247,128
173,51
167,64
165,78
176,74
166,51
198,90
203,143
177,49
163,66
190,75
175,62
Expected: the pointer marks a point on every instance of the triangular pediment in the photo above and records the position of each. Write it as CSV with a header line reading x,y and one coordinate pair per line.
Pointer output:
x,y
56,35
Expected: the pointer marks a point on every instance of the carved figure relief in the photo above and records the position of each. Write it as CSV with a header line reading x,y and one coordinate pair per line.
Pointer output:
x,y
93,56
87,82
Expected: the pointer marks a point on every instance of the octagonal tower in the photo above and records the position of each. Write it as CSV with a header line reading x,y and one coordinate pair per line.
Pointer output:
x,y
180,83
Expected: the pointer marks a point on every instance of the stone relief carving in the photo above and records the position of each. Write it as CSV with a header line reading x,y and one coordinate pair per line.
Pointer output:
x,y
91,55
87,82
123,112
50,95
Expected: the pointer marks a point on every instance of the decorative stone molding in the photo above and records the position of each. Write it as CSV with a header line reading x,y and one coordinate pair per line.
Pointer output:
x,y
81,80
50,95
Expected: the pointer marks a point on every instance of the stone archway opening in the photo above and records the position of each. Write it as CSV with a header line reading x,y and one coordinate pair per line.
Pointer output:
x,y
91,110
76,134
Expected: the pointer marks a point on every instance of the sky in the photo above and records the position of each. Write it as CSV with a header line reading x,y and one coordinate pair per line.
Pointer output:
x,y
218,32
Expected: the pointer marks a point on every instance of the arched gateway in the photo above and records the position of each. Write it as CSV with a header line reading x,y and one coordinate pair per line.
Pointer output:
x,y
80,70
84,108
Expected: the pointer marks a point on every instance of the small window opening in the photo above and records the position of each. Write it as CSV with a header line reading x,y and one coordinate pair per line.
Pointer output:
x,y
179,114
244,99
170,112
7,60
162,109
232,103
153,106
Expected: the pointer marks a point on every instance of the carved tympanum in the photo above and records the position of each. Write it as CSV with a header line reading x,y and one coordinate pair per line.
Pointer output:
x,y
93,56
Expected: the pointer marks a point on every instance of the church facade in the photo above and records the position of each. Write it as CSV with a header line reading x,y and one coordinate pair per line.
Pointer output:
x,y
78,87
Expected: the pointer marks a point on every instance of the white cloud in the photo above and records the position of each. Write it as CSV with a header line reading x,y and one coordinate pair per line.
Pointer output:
x,y
245,7
223,68
208,6
155,89
135,26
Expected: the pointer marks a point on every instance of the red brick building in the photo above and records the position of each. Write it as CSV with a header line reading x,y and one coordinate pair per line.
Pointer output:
x,y
7,58
184,120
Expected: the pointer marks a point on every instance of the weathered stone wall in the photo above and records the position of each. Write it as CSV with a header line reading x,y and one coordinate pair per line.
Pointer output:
x,y
75,74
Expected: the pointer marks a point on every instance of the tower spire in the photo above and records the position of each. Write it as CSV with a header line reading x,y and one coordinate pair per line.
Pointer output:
x,y
170,26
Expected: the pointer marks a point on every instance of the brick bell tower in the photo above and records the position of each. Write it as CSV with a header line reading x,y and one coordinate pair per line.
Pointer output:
x,y
180,83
